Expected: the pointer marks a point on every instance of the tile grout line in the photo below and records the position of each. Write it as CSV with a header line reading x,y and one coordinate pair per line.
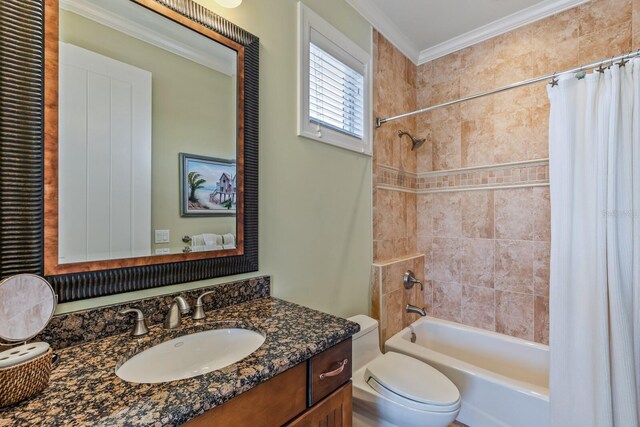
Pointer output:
x,y
495,303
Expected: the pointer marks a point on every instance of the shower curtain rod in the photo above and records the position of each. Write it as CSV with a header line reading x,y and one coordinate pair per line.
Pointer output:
x,y
611,61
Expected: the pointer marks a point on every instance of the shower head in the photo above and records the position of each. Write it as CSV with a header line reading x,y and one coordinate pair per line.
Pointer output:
x,y
416,142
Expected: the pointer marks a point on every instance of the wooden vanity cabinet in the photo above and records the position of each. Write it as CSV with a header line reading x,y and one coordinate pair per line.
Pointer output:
x,y
333,411
315,393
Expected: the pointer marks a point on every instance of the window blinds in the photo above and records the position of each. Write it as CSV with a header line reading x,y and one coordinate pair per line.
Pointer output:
x,y
336,93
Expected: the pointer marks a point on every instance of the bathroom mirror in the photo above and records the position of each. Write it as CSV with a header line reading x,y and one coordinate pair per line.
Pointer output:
x,y
147,136
148,175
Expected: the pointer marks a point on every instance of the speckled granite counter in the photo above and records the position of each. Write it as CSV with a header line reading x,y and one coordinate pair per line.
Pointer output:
x,y
84,390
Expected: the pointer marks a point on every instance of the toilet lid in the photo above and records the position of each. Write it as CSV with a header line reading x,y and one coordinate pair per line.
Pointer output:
x,y
409,378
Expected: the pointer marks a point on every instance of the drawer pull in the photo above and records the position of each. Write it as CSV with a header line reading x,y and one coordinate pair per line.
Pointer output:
x,y
335,372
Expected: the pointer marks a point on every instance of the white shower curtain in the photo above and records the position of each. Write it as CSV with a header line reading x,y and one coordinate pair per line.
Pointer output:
x,y
594,152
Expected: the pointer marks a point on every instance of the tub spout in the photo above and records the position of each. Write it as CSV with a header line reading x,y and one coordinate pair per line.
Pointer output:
x,y
413,309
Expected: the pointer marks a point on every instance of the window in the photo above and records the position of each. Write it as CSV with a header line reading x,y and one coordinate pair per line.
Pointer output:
x,y
334,86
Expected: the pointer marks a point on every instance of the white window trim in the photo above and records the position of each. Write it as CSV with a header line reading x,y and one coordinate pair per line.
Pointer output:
x,y
307,20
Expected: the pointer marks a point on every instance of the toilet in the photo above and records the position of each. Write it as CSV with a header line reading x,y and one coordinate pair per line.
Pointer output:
x,y
395,390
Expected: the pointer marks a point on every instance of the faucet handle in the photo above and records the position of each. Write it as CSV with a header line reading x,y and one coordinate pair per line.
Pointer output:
x,y
198,309
140,326
410,280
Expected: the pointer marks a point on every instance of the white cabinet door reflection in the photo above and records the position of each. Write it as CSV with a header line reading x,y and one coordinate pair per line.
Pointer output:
x,y
104,168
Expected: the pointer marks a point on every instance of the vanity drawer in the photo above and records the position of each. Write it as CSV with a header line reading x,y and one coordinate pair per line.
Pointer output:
x,y
329,370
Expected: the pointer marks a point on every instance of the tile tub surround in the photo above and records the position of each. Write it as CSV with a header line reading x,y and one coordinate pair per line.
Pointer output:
x,y
79,327
487,251
84,390
482,208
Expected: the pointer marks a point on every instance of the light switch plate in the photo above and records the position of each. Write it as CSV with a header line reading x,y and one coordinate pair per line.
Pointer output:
x,y
163,251
162,236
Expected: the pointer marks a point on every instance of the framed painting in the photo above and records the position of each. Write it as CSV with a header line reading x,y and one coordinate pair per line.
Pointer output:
x,y
207,186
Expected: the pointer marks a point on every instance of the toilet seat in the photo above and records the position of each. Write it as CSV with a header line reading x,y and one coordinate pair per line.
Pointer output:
x,y
412,383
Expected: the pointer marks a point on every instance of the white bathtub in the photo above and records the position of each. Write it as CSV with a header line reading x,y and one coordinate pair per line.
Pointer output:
x,y
503,381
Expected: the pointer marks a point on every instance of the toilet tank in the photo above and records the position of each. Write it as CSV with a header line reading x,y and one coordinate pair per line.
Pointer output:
x,y
366,343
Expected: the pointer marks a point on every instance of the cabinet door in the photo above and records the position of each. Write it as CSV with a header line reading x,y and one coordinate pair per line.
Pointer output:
x,y
333,411
272,403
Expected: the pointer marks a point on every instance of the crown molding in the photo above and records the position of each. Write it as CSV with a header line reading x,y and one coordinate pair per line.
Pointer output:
x,y
386,27
521,18
148,35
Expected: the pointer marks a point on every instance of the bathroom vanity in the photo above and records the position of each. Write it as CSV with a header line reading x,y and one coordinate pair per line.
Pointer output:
x,y
278,384
309,394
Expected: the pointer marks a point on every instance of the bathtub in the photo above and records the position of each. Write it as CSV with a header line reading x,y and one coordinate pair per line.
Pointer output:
x,y
503,381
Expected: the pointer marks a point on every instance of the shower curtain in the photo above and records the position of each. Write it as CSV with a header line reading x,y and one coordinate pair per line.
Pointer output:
x,y
594,155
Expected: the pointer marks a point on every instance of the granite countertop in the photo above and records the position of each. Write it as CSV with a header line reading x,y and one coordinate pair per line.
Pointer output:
x,y
85,391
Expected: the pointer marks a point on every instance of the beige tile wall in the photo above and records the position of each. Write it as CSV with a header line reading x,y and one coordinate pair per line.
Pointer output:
x,y
512,126
394,209
394,212
635,25
486,250
487,256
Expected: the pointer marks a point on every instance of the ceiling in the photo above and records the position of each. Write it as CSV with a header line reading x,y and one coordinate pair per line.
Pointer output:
x,y
427,29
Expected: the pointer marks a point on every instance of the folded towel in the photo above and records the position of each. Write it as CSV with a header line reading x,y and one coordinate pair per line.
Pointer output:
x,y
213,247
228,246
197,240
212,239
229,239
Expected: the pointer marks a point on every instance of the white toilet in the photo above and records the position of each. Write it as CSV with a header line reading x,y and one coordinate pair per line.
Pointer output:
x,y
394,390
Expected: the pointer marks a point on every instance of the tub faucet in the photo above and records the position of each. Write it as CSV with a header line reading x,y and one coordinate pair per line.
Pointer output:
x,y
178,307
417,310
409,280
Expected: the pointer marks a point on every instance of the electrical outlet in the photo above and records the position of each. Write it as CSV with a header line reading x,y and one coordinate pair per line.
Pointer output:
x,y
163,251
162,236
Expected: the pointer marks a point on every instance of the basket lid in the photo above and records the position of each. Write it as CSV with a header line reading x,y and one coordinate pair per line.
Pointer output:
x,y
24,353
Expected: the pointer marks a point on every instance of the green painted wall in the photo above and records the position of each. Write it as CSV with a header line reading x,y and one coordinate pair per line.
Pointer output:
x,y
193,112
315,199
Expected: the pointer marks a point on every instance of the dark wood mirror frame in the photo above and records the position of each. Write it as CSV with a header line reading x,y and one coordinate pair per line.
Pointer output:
x,y
28,157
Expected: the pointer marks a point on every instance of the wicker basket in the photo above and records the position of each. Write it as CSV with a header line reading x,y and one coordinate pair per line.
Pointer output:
x,y
20,382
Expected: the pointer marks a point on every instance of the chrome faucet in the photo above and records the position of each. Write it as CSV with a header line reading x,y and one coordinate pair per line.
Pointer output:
x,y
198,310
417,310
178,307
410,280
140,326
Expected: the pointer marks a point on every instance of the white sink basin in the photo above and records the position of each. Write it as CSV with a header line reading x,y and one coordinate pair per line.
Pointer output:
x,y
190,355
